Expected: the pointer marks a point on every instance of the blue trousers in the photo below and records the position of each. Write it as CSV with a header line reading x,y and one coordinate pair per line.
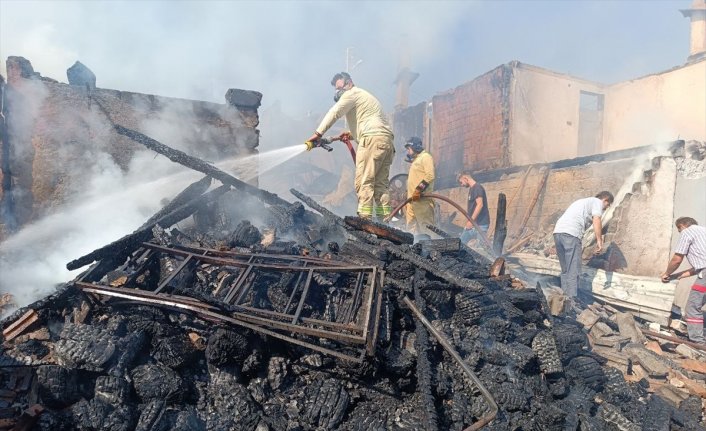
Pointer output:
x,y
568,250
469,234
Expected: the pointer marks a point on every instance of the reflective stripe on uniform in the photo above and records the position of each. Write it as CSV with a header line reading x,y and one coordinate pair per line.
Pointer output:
x,y
365,210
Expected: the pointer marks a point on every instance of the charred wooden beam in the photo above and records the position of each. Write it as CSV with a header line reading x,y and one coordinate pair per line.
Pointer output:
x,y
437,230
199,165
380,230
311,203
444,245
433,269
191,192
129,243
498,267
500,225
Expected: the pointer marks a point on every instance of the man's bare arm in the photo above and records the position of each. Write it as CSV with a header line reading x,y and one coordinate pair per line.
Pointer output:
x,y
598,231
672,266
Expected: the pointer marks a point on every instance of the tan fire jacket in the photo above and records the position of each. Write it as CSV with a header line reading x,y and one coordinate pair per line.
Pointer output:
x,y
422,169
363,113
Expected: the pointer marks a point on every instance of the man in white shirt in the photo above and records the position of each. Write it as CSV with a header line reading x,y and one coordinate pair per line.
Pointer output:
x,y
568,233
692,244
370,129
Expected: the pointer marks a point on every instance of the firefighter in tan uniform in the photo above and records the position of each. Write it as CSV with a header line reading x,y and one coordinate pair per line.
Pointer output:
x,y
370,129
419,212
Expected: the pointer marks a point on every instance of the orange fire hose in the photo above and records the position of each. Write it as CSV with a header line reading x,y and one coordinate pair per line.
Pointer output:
x,y
481,234
347,141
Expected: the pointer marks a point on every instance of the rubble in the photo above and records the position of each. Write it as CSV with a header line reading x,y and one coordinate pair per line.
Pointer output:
x,y
208,327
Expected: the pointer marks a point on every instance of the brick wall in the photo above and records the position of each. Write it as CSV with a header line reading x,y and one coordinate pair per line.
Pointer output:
x,y
59,133
469,124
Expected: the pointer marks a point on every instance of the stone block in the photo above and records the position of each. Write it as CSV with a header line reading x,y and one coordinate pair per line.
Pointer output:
x,y
80,75
246,99
587,318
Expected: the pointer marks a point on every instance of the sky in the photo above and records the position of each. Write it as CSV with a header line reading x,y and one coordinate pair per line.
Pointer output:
x,y
289,50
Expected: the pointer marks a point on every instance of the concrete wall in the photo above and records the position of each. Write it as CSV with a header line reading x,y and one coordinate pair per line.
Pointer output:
x,y
544,115
657,108
469,124
641,230
59,135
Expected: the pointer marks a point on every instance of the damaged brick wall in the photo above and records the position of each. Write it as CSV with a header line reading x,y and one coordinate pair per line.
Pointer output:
x,y
58,134
638,236
469,126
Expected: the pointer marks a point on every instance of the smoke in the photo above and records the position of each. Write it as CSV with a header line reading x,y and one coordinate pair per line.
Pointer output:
x,y
106,190
114,203
641,163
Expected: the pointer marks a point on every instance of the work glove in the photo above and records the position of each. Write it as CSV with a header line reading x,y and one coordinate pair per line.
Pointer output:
x,y
418,191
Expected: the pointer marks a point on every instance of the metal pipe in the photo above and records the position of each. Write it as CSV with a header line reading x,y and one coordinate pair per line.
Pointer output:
x,y
482,236
485,419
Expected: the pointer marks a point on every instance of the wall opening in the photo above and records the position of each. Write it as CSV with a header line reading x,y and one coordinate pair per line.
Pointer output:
x,y
590,123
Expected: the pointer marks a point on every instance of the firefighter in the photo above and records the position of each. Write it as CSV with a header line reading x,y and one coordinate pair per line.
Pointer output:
x,y
375,152
419,212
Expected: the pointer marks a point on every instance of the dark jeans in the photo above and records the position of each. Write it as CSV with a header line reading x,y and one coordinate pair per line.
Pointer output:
x,y
568,250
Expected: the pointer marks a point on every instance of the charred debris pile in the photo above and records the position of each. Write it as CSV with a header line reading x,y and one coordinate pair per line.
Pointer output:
x,y
265,315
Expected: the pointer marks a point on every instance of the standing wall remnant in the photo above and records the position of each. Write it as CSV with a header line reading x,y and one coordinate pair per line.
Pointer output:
x,y
59,135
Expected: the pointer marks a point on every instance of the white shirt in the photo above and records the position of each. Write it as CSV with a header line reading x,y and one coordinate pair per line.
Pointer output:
x,y
579,216
692,244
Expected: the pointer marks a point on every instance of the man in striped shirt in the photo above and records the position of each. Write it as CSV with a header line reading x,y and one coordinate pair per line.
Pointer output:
x,y
692,244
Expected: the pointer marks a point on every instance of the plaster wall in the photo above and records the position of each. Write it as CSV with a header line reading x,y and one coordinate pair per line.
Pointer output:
x,y
544,115
656,108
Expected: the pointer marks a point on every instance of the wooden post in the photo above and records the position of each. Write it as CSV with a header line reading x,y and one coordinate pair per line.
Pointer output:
x,y
533,202
500,225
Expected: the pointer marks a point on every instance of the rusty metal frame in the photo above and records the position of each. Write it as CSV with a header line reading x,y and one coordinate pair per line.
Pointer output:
x,y
206,311
356,326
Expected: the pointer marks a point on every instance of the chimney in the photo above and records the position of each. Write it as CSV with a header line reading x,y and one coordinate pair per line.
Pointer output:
x,y
405,77
697,15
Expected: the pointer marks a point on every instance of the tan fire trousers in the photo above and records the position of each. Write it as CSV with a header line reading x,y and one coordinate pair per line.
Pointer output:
x,y
419,214
372,175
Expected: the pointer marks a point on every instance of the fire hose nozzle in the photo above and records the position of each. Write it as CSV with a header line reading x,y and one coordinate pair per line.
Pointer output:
x,y
319,143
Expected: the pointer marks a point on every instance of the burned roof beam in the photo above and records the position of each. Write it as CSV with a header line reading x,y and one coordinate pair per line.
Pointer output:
x,y
129,243
197,164
191,192
380,230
